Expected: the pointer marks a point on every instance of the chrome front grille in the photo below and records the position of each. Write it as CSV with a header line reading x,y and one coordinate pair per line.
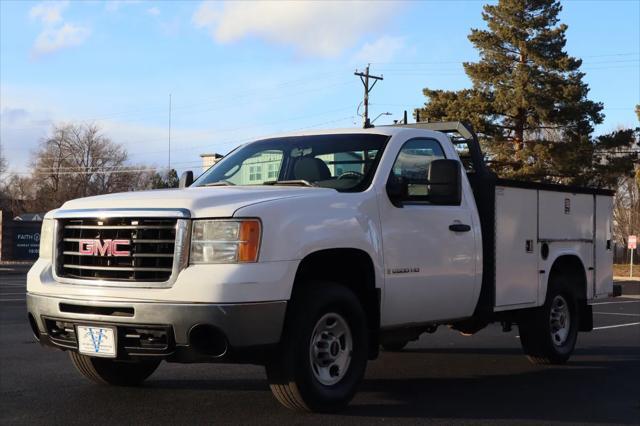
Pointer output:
x,y
127,249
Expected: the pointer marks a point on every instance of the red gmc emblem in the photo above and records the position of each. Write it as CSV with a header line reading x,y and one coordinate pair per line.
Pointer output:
x,y
99,247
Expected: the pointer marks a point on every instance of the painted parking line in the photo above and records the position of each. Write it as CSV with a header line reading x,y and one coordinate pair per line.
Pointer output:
x,y
617,313
616,326
13,300
614,303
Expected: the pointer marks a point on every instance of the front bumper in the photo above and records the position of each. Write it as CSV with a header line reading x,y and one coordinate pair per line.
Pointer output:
x,y
246,325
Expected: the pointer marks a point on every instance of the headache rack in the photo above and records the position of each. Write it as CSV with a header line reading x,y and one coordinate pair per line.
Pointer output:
x,y
463,138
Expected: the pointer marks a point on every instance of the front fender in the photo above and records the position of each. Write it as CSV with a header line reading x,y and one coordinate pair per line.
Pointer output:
x,y
294,228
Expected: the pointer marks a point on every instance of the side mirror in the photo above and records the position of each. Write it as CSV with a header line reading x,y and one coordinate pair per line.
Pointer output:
x,y
445,186
186,179
397,190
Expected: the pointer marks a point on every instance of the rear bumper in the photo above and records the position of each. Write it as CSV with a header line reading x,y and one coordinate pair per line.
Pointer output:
x,y
245,325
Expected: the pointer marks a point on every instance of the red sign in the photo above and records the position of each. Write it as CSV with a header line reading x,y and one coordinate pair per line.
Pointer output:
x,y
103,248
632,242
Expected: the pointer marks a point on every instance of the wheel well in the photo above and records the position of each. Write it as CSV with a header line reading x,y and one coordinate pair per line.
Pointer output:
x,y
352,268
573,268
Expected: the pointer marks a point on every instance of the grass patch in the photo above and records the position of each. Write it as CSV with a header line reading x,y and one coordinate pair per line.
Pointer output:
x,y
623,270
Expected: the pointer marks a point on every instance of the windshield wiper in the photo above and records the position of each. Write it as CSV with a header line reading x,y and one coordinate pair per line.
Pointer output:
x,y
220,183
295,182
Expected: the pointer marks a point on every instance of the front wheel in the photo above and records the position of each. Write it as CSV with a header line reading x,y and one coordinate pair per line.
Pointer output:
x,y
548,334
323,354
114,372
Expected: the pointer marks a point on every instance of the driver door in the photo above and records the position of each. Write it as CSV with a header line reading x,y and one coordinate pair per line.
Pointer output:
x,y
429,265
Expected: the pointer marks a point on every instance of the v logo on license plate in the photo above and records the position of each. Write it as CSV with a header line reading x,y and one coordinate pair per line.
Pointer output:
x,y
96,337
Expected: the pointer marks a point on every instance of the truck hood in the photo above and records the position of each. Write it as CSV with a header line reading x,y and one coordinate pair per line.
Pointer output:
x,y
217,201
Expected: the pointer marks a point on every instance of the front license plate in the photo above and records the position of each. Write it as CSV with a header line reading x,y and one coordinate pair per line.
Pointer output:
x,y
97,341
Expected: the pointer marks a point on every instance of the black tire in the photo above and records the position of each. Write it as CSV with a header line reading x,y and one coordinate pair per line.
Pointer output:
x,y
395,346
293,376
541,341
112,372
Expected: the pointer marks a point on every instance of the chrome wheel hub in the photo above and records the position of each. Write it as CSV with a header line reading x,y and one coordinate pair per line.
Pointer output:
x,y
330,349
559,320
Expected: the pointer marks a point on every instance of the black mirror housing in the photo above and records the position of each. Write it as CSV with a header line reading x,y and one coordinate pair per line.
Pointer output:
x,y
445,183
186,179
397,190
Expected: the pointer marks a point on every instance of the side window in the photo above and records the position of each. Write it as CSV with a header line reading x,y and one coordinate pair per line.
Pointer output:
x,y
412,166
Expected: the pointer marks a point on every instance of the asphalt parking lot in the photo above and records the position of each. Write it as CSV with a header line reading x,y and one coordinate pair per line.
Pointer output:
x,y
443,378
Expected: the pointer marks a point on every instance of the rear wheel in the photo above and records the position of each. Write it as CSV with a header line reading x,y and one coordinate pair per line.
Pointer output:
x,y
323,354
113,372
548,334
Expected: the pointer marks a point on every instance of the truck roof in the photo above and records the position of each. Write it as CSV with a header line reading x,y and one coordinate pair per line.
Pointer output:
x,y
382,130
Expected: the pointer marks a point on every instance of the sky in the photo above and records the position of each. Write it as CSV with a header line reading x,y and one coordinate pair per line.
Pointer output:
x,y
236,71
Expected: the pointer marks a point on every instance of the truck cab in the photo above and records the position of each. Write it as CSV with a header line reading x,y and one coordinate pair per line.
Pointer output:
x,y
307,252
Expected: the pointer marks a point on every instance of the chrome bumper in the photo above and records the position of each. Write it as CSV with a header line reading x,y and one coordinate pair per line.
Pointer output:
x,y
244,325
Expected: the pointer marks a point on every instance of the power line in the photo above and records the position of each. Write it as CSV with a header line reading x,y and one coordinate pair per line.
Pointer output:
x,y
246,97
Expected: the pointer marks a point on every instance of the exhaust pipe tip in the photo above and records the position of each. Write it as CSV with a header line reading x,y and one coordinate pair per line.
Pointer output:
x,y
34,327
208,340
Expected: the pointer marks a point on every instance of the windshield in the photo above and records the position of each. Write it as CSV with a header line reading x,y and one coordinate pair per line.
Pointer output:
x,y
345,162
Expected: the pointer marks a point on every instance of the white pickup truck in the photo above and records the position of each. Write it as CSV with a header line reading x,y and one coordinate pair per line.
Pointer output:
x,y
307,252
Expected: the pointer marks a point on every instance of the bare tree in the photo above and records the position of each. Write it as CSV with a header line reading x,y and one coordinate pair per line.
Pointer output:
x,y
77,161
626,208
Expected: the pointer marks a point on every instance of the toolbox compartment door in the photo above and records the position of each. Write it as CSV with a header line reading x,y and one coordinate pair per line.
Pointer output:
x,y
603,251
516,252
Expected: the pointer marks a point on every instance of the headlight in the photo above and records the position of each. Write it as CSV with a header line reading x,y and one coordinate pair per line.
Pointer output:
x,y
225,241
46,239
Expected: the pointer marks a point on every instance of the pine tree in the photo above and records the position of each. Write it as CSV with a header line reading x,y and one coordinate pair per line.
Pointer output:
x,y
528,100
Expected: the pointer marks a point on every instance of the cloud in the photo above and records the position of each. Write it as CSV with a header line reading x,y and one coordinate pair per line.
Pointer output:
x,y
21,129
153,11
56,34
52,39
13,115
383,49
325,28
48,12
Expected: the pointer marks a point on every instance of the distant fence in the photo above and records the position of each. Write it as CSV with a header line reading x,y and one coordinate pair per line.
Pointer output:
x,y
20,240
622,255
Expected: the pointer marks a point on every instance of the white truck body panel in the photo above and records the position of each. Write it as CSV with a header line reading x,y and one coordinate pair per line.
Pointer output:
x,y
516,248
603,253
570,224
565,216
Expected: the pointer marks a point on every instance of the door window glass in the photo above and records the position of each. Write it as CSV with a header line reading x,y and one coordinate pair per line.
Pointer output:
x,y
412,165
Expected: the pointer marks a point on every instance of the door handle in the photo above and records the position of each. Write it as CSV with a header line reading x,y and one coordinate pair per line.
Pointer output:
x,y
459,227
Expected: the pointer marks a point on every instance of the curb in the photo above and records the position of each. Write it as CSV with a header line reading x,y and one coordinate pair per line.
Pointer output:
x,y
626,288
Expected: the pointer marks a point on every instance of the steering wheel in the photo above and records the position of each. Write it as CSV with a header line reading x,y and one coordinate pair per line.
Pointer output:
x,y
350,175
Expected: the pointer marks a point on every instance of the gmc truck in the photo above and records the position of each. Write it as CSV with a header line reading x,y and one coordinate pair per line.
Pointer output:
x,y
307,253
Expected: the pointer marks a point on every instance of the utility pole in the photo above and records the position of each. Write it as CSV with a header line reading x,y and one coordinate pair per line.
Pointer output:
x,y
364,77
169,132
